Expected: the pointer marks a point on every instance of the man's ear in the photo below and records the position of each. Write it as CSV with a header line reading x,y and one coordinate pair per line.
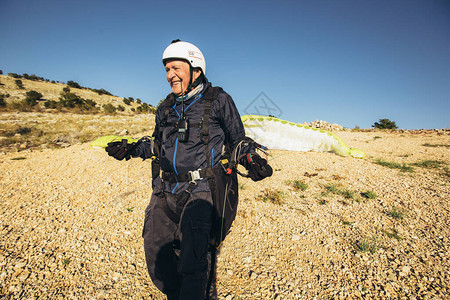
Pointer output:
x,y
195,74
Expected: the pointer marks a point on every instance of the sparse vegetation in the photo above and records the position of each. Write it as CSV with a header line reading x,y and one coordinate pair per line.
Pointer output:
x,y
299,185
272,196
367,245
436,145
392,234
394,165
430,164
369,195
397,213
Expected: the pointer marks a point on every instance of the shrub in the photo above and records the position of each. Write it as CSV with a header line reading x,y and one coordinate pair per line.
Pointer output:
x,y
19,83
109,108
138,101
2,100
120,108
1,72
14,75
32,97
126,101
73,84
50,104
102,92
384,124
66,89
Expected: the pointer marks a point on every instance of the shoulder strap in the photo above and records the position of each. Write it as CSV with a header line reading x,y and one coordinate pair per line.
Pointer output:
x,y
210,95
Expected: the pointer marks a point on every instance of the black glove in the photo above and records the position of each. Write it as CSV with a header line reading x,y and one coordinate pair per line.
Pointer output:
x,y
120,150
257,167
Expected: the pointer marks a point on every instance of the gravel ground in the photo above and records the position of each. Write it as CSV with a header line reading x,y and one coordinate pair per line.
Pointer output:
x,y
71,222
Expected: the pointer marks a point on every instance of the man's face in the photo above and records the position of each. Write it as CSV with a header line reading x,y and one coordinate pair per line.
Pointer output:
x,y
178,76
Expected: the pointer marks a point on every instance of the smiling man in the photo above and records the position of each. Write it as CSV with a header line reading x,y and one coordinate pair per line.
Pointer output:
x,y
198,139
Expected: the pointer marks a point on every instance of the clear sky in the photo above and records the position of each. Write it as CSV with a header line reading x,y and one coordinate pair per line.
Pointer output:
x,y
349,62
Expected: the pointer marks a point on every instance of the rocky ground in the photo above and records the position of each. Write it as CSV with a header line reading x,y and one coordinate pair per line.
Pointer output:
x,y
71,222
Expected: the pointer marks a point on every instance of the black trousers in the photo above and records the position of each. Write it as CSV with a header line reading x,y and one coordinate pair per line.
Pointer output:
x,y
177,254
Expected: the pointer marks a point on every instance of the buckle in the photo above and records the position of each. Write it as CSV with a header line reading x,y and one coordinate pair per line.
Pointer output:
x,y
193,176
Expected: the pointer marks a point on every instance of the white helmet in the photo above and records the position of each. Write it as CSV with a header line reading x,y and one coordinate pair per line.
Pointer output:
x,y
185,51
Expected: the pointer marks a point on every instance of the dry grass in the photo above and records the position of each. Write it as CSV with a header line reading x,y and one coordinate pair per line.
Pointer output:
x,y
20,131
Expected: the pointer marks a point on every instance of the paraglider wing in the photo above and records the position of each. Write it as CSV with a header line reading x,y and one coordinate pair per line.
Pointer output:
x,y
275,133
103,141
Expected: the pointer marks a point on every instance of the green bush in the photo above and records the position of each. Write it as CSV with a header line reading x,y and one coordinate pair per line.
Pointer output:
x,y
73,84
66,89
126,101
50,104
19,83
120,108
32,97
109,108
384,124
2,100
14,75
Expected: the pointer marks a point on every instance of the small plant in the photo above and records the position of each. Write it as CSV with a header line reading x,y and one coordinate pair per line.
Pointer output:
x,y
331,188
323,202
369,195
367,245
397,213
66,262
273,196
392,234
130,209
348,194
300,185
376,137
393,165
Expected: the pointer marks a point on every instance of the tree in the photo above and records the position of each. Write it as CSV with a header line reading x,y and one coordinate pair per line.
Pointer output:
x,y
32,98
384,124
1,72
73,84
66,89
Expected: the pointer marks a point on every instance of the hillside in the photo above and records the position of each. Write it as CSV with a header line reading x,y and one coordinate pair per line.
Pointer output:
x,y
52,91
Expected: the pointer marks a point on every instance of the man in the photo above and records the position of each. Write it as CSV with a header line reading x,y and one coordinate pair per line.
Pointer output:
x,y
197,126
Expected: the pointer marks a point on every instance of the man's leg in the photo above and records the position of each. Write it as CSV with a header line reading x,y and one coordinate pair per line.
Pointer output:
x,y
158,234
195,231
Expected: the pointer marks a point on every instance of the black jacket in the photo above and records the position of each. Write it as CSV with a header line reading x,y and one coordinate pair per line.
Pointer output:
x,y
225,128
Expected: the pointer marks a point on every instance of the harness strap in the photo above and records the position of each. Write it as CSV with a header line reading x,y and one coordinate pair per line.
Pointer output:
x,y
172,177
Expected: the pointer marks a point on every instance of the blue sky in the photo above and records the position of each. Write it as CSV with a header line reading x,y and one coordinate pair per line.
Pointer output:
x,y
345,62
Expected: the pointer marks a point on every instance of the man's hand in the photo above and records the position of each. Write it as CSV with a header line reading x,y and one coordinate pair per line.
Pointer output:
x,y
120,150
257,167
